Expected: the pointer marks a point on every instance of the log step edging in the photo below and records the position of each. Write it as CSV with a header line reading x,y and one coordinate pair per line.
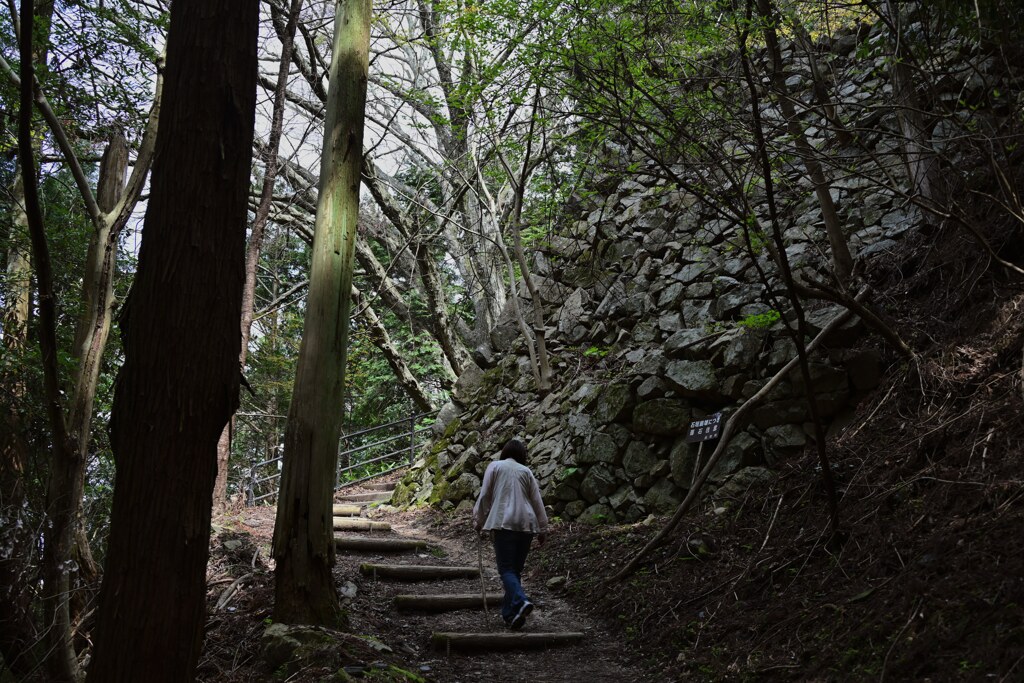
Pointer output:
x,y
492,642
358,524
372,544
418,572
372,497
343,510
444,602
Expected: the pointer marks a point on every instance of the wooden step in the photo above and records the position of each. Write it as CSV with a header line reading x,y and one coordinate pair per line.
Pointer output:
x,y
418,572
345,510
378,544
371,497
359,524
489,642
380,485
445,602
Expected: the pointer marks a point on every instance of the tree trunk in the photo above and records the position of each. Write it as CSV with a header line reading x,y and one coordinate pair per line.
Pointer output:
x,y
255,245
61,663
382,340
19,272
179,382
18,633
19,265
303,541
800,332
842,261
441,324
68,481
920,159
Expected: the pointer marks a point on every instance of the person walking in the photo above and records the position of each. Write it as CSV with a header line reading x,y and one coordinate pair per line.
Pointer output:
x,y
510,507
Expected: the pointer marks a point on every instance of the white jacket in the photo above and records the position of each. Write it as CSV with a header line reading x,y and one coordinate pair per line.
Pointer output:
x,y
510,499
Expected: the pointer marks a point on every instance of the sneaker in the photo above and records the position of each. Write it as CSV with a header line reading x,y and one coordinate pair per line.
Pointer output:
x,y
520,618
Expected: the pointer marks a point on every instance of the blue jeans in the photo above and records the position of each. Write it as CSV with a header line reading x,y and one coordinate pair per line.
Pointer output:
x,y
510,550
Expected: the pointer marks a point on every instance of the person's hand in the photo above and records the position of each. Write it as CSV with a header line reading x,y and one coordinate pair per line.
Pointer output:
x,y
542,538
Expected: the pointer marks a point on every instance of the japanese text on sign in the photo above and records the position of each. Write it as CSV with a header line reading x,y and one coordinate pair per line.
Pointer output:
x,y
705,429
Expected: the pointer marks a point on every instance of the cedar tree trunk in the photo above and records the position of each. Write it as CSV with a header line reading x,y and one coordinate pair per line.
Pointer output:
x,y
303,535
179,382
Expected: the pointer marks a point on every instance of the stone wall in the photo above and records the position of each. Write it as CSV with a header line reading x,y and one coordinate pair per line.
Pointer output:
x,y
657,316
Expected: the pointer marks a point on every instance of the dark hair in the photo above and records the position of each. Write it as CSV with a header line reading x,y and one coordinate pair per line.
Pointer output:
x,y
516,450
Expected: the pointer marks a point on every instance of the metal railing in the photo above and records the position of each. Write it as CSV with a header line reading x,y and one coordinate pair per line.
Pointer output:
x,y
400,440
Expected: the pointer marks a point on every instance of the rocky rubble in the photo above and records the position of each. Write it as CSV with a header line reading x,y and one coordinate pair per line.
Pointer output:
x,y
657,315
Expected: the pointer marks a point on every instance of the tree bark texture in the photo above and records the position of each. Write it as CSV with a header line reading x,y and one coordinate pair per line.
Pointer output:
x,y
303,540
179,382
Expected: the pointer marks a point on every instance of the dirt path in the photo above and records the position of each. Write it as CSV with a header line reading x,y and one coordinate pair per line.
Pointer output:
x,y
451,542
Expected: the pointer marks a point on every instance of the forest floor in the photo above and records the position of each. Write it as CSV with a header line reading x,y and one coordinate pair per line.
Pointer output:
x,y
926,583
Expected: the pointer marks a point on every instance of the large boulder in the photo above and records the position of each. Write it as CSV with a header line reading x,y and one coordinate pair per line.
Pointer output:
x,y
742,451
740,482
742,350
613,404
598,482
638,460
573,311
663,497
449,411
465,487
695,379
598,513
290,648
600,447
468,383
663,416
824,378
682,460
690,344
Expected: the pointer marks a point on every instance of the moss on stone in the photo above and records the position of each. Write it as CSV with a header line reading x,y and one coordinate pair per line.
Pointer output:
x,y
439,494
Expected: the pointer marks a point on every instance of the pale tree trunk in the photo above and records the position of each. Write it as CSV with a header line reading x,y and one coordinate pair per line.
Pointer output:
x,y
178,385
19,266
530,340
93,328
920,159
382,340
539,328
473,254
383,285
842,261
109,212
252,254
466,231
19,271
303,535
